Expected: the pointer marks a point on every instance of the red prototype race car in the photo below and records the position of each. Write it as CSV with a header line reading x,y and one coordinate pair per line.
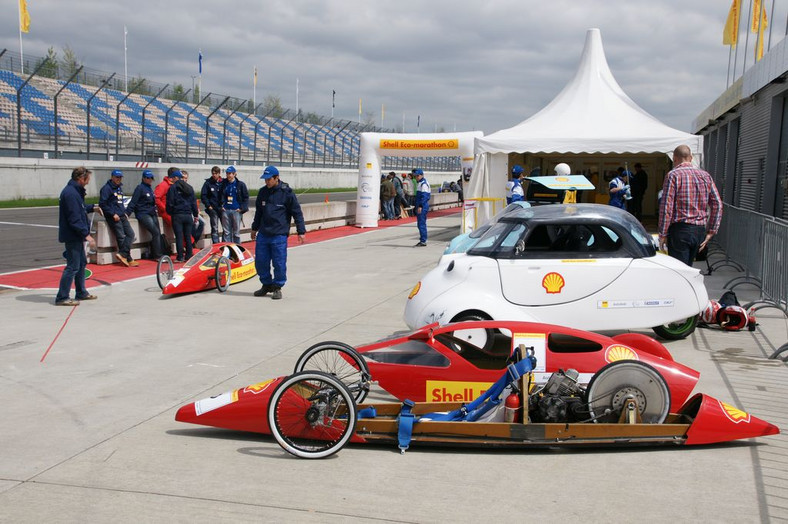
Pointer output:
x,y
216,266
635,396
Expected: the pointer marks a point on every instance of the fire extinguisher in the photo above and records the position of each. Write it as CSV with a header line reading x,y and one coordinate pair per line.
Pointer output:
x,y
511,408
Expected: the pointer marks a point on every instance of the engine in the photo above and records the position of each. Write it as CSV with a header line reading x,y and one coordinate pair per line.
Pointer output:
x,y
560,400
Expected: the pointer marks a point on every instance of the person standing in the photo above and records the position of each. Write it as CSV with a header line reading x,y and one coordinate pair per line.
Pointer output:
x,y
276,206
143,205
639,184
182,207
111,204
210,196
423,193
407,189
617,189
199,225
74,231
518,195
399,198
235,202
690,210
387,194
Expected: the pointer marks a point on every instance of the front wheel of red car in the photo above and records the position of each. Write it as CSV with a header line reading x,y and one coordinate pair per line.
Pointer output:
x,y
312,414
677,330
222,275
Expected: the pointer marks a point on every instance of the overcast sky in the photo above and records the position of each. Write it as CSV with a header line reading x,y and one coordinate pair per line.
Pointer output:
x,y
467,65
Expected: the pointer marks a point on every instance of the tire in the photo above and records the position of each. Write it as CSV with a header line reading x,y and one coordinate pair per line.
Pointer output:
x,y
677,330
222,274
164,271
332,358
312,414
481,338
618,381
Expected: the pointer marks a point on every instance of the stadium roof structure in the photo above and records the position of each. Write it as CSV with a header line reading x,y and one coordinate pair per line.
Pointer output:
x,y
592,114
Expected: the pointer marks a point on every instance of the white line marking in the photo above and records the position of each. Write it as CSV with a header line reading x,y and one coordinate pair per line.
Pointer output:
x,y
29,225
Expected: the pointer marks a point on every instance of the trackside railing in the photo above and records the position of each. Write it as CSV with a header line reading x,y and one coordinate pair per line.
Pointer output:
x,y
759,244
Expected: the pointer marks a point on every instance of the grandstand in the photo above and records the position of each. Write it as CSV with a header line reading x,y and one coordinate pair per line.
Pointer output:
x,y
86,114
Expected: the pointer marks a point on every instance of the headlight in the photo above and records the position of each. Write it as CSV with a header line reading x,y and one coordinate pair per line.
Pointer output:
x,y
415,290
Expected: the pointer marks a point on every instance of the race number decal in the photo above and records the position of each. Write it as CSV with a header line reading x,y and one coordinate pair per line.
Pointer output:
x,y
536,342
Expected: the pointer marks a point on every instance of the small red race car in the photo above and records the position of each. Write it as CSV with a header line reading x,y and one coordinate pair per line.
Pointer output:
x,y
216,266
313,414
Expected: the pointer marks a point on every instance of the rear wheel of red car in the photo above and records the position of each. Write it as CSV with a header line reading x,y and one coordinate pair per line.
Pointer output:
x,y
312,414
677,330
614,385
481,338
222,274
164,271
341,361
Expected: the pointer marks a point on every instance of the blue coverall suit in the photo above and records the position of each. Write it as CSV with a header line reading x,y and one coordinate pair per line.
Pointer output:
x,y
423,205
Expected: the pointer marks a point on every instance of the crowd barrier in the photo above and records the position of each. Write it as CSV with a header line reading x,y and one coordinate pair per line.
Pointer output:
x,y
321,215
756,244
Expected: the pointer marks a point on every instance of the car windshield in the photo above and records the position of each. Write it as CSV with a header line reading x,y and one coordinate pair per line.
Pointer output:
x,y
198,256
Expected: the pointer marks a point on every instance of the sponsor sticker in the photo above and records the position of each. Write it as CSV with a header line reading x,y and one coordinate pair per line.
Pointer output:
x,y
535,342
735,415
454,391
553,283
419,145
259,387
650,302
619,352
209,404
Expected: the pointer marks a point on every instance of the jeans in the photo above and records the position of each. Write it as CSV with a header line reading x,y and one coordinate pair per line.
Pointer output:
x,y
124,235
151,225
421,222
388,209
271,249
684,241
182,227
76,261
214,219
231,225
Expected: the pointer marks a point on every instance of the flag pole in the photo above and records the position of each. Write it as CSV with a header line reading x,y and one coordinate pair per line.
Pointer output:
x,y
125,58
21,51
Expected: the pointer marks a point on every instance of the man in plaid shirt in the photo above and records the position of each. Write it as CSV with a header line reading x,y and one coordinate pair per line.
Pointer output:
x,y
691,209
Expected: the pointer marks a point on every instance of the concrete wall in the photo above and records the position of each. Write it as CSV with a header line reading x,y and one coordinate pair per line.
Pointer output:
x,y
45,178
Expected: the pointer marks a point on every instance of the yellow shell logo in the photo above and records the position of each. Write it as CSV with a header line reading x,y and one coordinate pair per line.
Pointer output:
x,y
414,291
553,283
734,414
615,353
259,387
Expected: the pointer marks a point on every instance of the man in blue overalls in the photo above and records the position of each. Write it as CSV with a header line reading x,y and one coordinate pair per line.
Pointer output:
x,y
517,187
422,205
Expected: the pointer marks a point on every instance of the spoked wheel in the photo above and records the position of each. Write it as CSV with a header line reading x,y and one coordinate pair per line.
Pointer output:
x,y
312,414
613,385
339,360
222,274
677,330
481,338
164,271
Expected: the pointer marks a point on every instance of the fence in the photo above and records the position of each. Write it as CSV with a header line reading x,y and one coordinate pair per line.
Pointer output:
x,y
757,245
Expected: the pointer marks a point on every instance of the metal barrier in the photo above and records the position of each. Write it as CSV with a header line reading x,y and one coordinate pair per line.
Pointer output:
x,y
759,244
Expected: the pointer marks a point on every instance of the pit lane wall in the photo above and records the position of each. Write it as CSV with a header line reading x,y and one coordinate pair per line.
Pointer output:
x,y
322,215
45,178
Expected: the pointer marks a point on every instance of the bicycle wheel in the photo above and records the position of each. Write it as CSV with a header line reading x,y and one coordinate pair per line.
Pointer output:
x,y
222,274
312,414
164,271
677,330
339,360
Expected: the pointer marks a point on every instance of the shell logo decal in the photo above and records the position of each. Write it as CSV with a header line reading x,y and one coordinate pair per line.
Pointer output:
x,y
734,414
259,387
615,353
553,283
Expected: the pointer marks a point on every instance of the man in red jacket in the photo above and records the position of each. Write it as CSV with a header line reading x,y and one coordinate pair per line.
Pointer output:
x,y
161,195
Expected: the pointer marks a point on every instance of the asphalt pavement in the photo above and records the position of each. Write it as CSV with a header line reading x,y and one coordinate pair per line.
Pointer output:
x,y
89,396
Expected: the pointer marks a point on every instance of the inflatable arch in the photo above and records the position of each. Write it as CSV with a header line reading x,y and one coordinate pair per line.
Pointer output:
x,y
376,145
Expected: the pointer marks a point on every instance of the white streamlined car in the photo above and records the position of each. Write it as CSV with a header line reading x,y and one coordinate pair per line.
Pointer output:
x,y
586,266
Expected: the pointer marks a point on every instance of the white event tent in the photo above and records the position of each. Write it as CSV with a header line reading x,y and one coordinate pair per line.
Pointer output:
x,y
591,115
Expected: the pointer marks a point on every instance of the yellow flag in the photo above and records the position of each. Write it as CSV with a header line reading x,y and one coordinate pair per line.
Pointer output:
x,y
730,34
761,31
359,107
24,17
756,10
255,76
